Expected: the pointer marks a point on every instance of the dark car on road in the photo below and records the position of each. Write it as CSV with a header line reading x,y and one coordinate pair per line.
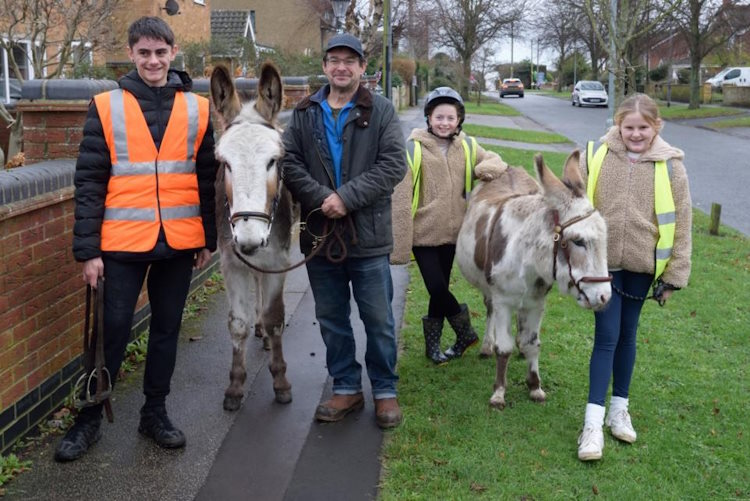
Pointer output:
x,y
511,87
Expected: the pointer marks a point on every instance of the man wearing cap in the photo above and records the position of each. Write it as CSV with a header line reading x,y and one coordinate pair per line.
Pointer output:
x,y
344,155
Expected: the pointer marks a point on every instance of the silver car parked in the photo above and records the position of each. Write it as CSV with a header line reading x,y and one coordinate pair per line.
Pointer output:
x,y
590,93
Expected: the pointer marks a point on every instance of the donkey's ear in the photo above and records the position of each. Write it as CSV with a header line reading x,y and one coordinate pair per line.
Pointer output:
x,y
224,96
572,174
270,92
550,183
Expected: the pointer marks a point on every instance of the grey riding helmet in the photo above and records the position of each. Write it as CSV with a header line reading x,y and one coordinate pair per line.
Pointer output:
x,y
444,95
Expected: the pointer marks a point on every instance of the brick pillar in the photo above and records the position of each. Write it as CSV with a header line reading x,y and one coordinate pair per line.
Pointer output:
x,y
52,129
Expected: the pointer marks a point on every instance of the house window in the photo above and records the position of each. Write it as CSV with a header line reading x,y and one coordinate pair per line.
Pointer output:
x,y
252,21
200,2
22,54
81,53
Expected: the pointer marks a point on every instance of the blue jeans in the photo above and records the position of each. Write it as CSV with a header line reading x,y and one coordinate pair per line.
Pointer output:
x,y
373,291
614,337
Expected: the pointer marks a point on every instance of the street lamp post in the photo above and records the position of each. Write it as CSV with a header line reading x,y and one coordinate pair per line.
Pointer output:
x,y
387,48
339,12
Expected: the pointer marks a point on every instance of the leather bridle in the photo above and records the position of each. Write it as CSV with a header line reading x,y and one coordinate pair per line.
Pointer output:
x,y
560,243
245,215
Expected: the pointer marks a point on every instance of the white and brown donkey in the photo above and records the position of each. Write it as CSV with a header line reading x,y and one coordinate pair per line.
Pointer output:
x,y
254,217
519,237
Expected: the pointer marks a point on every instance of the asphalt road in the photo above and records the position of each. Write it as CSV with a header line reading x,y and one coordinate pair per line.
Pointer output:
x,y
718,163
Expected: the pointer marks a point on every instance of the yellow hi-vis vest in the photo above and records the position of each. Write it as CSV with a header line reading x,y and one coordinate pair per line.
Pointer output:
x,y
415,164
663,202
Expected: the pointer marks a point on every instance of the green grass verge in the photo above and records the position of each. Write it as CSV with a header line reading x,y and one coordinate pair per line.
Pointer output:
x,y
525,158
681,111
509,134
491,108
734,122
565,94
688,400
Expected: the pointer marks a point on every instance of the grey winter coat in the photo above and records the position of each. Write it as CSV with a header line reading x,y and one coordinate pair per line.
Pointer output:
x,y
372,164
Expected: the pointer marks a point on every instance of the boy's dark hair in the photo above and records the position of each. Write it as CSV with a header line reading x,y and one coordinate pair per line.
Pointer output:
x,y
150,27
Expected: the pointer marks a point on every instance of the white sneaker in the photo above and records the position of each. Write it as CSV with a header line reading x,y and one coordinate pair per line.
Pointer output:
x,y
620,425
590,443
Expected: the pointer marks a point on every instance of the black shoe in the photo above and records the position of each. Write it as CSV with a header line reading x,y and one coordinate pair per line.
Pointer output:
x,y
155,424
82,435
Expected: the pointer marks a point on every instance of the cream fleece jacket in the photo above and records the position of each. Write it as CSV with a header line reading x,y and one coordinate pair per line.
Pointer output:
x,y
441,201
624,196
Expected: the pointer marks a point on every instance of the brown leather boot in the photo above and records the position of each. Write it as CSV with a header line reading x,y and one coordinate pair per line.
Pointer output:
x,y
387,413
338,406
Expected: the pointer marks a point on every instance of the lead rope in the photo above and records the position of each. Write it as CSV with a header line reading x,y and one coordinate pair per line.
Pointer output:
x,y
319,243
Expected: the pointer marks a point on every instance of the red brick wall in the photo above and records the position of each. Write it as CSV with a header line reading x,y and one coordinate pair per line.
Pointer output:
x,y
42,301
52,129
40,292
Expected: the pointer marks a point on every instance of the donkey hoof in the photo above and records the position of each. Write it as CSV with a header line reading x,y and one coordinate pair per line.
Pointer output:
x,y
497,404
266,343
232,403
258,330
283,396
538,396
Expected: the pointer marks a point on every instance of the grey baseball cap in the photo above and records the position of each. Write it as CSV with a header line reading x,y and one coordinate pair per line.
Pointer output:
x,y
345,40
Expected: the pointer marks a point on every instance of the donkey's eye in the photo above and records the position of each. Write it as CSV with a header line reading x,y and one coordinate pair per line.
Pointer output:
x,y
579,243
271,163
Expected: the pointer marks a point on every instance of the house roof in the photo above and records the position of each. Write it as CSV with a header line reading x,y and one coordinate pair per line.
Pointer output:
x,y
228,26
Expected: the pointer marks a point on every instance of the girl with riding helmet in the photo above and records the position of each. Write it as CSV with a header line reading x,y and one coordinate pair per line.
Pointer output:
x,y
639,185
429,206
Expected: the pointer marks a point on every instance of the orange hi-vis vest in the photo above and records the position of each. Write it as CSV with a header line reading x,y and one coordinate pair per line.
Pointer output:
x,y
149,188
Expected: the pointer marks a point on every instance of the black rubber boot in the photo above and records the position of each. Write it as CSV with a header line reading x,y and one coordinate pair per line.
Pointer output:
x,y
82,435
155,424
433,329
465,335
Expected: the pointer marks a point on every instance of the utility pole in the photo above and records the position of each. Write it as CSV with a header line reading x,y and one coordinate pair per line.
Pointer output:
x,y
537,57
387,45
612,62
531,73
511,50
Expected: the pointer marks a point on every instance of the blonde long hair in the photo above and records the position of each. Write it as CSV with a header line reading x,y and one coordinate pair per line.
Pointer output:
x,y
640,103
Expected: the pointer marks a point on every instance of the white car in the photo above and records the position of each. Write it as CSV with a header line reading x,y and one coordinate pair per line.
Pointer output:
x,y
589,92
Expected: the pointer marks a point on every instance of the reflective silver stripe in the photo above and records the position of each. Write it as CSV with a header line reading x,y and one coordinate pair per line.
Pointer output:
x,y
180,212
129,214
176,167
663,253
669,169
666,218
117,110
125,168
192,118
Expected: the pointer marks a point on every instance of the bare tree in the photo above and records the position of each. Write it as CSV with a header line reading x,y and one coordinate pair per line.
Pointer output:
x,y
707,25
633,20
585,35
466,25
556,26
485,64
54,29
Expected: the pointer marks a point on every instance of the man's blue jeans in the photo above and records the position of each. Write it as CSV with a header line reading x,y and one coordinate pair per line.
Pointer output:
x,y
614,337
372,286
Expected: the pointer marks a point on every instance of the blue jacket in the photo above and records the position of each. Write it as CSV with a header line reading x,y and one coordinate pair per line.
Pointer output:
x,y
372,164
